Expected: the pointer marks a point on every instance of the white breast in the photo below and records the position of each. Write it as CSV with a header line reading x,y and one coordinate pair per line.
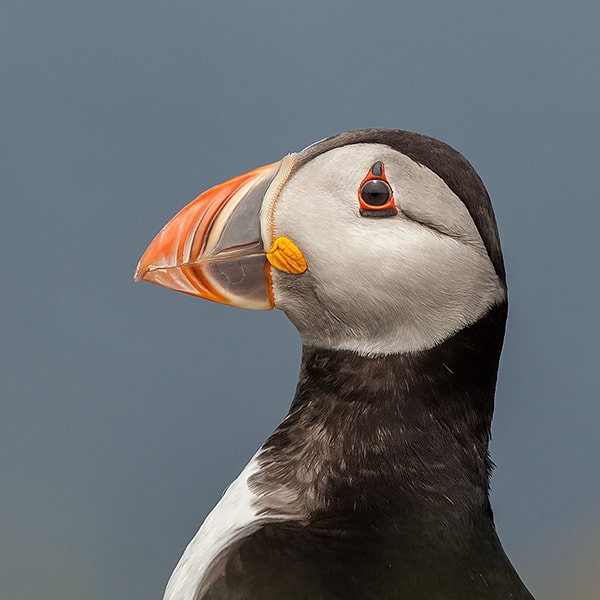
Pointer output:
x,y
233,518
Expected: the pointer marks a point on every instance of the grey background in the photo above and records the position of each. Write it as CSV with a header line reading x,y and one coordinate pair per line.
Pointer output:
x,y
126,409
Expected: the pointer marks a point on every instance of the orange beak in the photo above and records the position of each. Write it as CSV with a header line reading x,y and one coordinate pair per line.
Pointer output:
x,y
213,248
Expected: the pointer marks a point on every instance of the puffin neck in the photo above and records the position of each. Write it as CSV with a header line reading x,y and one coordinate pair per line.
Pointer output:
x,y
391,436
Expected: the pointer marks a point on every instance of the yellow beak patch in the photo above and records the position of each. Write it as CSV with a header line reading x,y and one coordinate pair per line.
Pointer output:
x,y
286,256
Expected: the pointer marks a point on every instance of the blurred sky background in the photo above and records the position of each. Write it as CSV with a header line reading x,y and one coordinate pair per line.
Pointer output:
x,y
127,409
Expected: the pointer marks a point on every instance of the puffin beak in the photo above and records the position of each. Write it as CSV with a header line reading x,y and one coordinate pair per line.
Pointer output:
x,y
213,248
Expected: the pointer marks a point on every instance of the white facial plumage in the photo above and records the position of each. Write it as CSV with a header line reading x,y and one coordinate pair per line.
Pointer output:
x,y
378,285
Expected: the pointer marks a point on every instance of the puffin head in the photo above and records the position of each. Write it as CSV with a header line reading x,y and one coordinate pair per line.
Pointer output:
x,y
375,241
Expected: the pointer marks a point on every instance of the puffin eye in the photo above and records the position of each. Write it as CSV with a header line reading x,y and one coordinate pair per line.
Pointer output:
x,y
375,192
375,195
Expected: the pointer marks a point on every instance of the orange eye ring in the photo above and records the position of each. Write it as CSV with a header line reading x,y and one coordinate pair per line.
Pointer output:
x,y
375,194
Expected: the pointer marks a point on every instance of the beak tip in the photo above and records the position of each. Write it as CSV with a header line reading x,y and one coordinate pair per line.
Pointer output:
x,y
140,271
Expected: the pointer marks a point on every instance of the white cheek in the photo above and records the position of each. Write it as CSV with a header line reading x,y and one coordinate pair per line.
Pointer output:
x,y
380,285
408,297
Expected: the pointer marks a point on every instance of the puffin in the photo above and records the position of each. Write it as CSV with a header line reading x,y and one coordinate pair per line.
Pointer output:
x,y
381,247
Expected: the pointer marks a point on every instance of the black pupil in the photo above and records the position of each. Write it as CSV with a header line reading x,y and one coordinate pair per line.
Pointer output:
x,y
375,192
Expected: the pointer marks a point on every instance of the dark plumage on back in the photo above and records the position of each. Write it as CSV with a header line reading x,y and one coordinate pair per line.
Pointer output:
x,y
401,508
